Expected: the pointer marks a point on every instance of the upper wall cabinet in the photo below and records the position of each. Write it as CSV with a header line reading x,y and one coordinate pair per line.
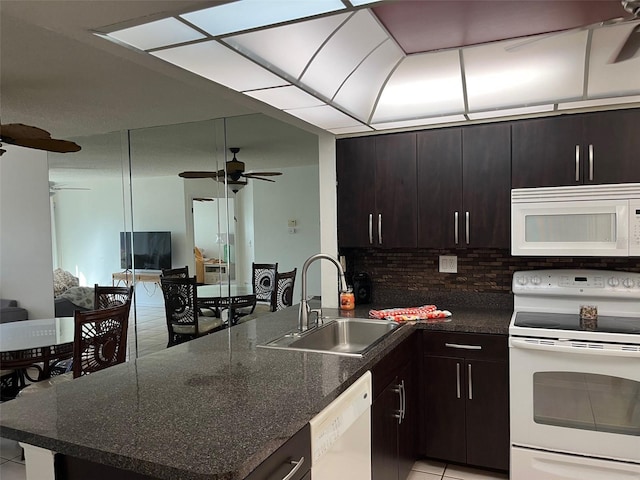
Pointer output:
x,y
593,148
464,187
377,191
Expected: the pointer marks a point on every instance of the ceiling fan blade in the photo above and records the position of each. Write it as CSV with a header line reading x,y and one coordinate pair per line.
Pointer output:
x,y
48,144
631,46
253,177
34,137
262,174
200,174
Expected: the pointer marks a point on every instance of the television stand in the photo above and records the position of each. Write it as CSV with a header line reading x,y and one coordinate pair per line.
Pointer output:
x,y
127,277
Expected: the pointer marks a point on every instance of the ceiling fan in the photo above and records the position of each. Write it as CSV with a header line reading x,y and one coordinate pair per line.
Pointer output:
x,y
34,137
233,171
629,49
56,187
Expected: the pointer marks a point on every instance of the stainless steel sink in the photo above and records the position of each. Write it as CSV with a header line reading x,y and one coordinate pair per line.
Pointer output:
x,y
338,336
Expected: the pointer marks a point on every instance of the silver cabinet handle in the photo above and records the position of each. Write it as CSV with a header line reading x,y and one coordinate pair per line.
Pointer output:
x,y
463,347
404,400
296,466
466,222
470,382
399,414
380,228
455,227
371,229
457,380
591,159
577,163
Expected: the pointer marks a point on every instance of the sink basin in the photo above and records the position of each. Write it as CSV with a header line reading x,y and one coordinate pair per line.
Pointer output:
x,y
338,336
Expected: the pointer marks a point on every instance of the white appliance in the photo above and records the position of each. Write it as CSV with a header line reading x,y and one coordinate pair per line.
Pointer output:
x,y
575,384
589,220
341,435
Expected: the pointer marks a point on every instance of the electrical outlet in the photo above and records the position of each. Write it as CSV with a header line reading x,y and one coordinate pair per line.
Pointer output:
x,y
448,264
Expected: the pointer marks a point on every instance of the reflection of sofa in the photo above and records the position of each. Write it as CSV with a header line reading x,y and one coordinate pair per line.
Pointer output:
x,y
11,312
72,299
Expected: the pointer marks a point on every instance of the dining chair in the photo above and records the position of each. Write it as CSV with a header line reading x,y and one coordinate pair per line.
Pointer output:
x,y
263,276
100,339
108,297
184,320
99,342
282,295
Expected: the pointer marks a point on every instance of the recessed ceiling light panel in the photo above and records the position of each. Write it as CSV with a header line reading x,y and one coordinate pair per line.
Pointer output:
x,y
420,122
161,33
220,64
510,112
343,52
423,85
503,75
372,72
247,14
612,79
288,48
285,98
325,117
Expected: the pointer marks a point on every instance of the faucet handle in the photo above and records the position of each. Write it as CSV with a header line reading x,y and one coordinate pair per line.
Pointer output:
x,y
318,312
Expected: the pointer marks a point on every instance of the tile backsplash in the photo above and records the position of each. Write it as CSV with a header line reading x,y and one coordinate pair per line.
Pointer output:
x,y
479,270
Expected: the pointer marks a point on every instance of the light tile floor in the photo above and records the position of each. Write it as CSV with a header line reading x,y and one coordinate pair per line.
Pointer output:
x,y
152,337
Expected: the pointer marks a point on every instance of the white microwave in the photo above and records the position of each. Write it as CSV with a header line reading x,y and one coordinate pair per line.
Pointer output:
x,y
589,220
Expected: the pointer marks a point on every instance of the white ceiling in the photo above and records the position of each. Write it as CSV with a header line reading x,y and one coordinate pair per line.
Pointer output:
x,y
57,75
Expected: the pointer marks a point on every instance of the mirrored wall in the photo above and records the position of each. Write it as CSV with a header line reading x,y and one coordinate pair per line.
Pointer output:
x,y
121,212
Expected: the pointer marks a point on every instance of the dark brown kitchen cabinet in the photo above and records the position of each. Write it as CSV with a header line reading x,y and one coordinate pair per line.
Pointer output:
x,y
464,180
377,191
395,414
465,390
577,149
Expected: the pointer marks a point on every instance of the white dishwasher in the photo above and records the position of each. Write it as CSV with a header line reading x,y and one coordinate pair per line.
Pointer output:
x,y
341,435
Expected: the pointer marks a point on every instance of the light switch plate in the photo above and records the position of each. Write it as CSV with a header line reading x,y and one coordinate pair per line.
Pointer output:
x,y
448,264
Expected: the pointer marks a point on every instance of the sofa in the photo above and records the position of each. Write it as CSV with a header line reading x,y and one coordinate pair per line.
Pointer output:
x,y
11,312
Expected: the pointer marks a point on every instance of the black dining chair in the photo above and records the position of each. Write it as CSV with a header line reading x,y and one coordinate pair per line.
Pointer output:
x,y
184,319
282,295
108,296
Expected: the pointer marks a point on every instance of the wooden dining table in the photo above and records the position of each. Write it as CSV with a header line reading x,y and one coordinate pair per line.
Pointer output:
x,y
40,342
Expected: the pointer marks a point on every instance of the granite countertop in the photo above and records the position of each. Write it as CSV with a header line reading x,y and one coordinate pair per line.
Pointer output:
x,y
212,408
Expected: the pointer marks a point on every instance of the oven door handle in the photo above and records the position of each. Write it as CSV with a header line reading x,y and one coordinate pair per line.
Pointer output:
x,y
576,347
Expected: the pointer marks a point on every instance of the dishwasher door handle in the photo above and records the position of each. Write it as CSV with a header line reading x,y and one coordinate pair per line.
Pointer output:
x,y
297,465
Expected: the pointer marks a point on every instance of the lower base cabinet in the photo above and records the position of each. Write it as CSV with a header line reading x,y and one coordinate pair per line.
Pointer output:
x,y
465,399
394,414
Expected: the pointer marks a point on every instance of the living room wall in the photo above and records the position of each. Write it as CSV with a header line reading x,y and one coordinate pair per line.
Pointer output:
x,y
26,267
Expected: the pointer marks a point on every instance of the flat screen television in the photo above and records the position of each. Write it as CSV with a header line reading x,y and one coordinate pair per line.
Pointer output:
x,y
151,250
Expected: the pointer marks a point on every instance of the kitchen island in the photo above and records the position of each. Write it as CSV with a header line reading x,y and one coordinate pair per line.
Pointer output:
x,y
212,408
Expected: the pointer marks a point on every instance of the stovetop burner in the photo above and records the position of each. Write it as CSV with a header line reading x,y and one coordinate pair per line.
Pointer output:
x,y
571,322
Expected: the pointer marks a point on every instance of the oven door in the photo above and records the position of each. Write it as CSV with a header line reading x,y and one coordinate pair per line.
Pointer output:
x,y
576,397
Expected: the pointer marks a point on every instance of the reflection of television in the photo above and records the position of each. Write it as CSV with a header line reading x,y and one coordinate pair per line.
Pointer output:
x,y
151,250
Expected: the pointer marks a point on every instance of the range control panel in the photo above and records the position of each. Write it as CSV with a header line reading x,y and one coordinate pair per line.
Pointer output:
x,y
568,282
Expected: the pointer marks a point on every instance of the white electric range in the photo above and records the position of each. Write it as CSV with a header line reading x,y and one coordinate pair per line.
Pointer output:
x,y
575,383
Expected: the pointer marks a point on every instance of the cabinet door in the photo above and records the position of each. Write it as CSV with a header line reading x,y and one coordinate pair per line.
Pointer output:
x,y
612,147
384,434
439,163
444,408
355,171
487,413
408,427
486,180
395,187
544,152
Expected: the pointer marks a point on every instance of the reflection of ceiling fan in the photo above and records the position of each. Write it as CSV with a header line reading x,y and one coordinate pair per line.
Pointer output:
x,y
56,187
234,172
34,137
627,50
